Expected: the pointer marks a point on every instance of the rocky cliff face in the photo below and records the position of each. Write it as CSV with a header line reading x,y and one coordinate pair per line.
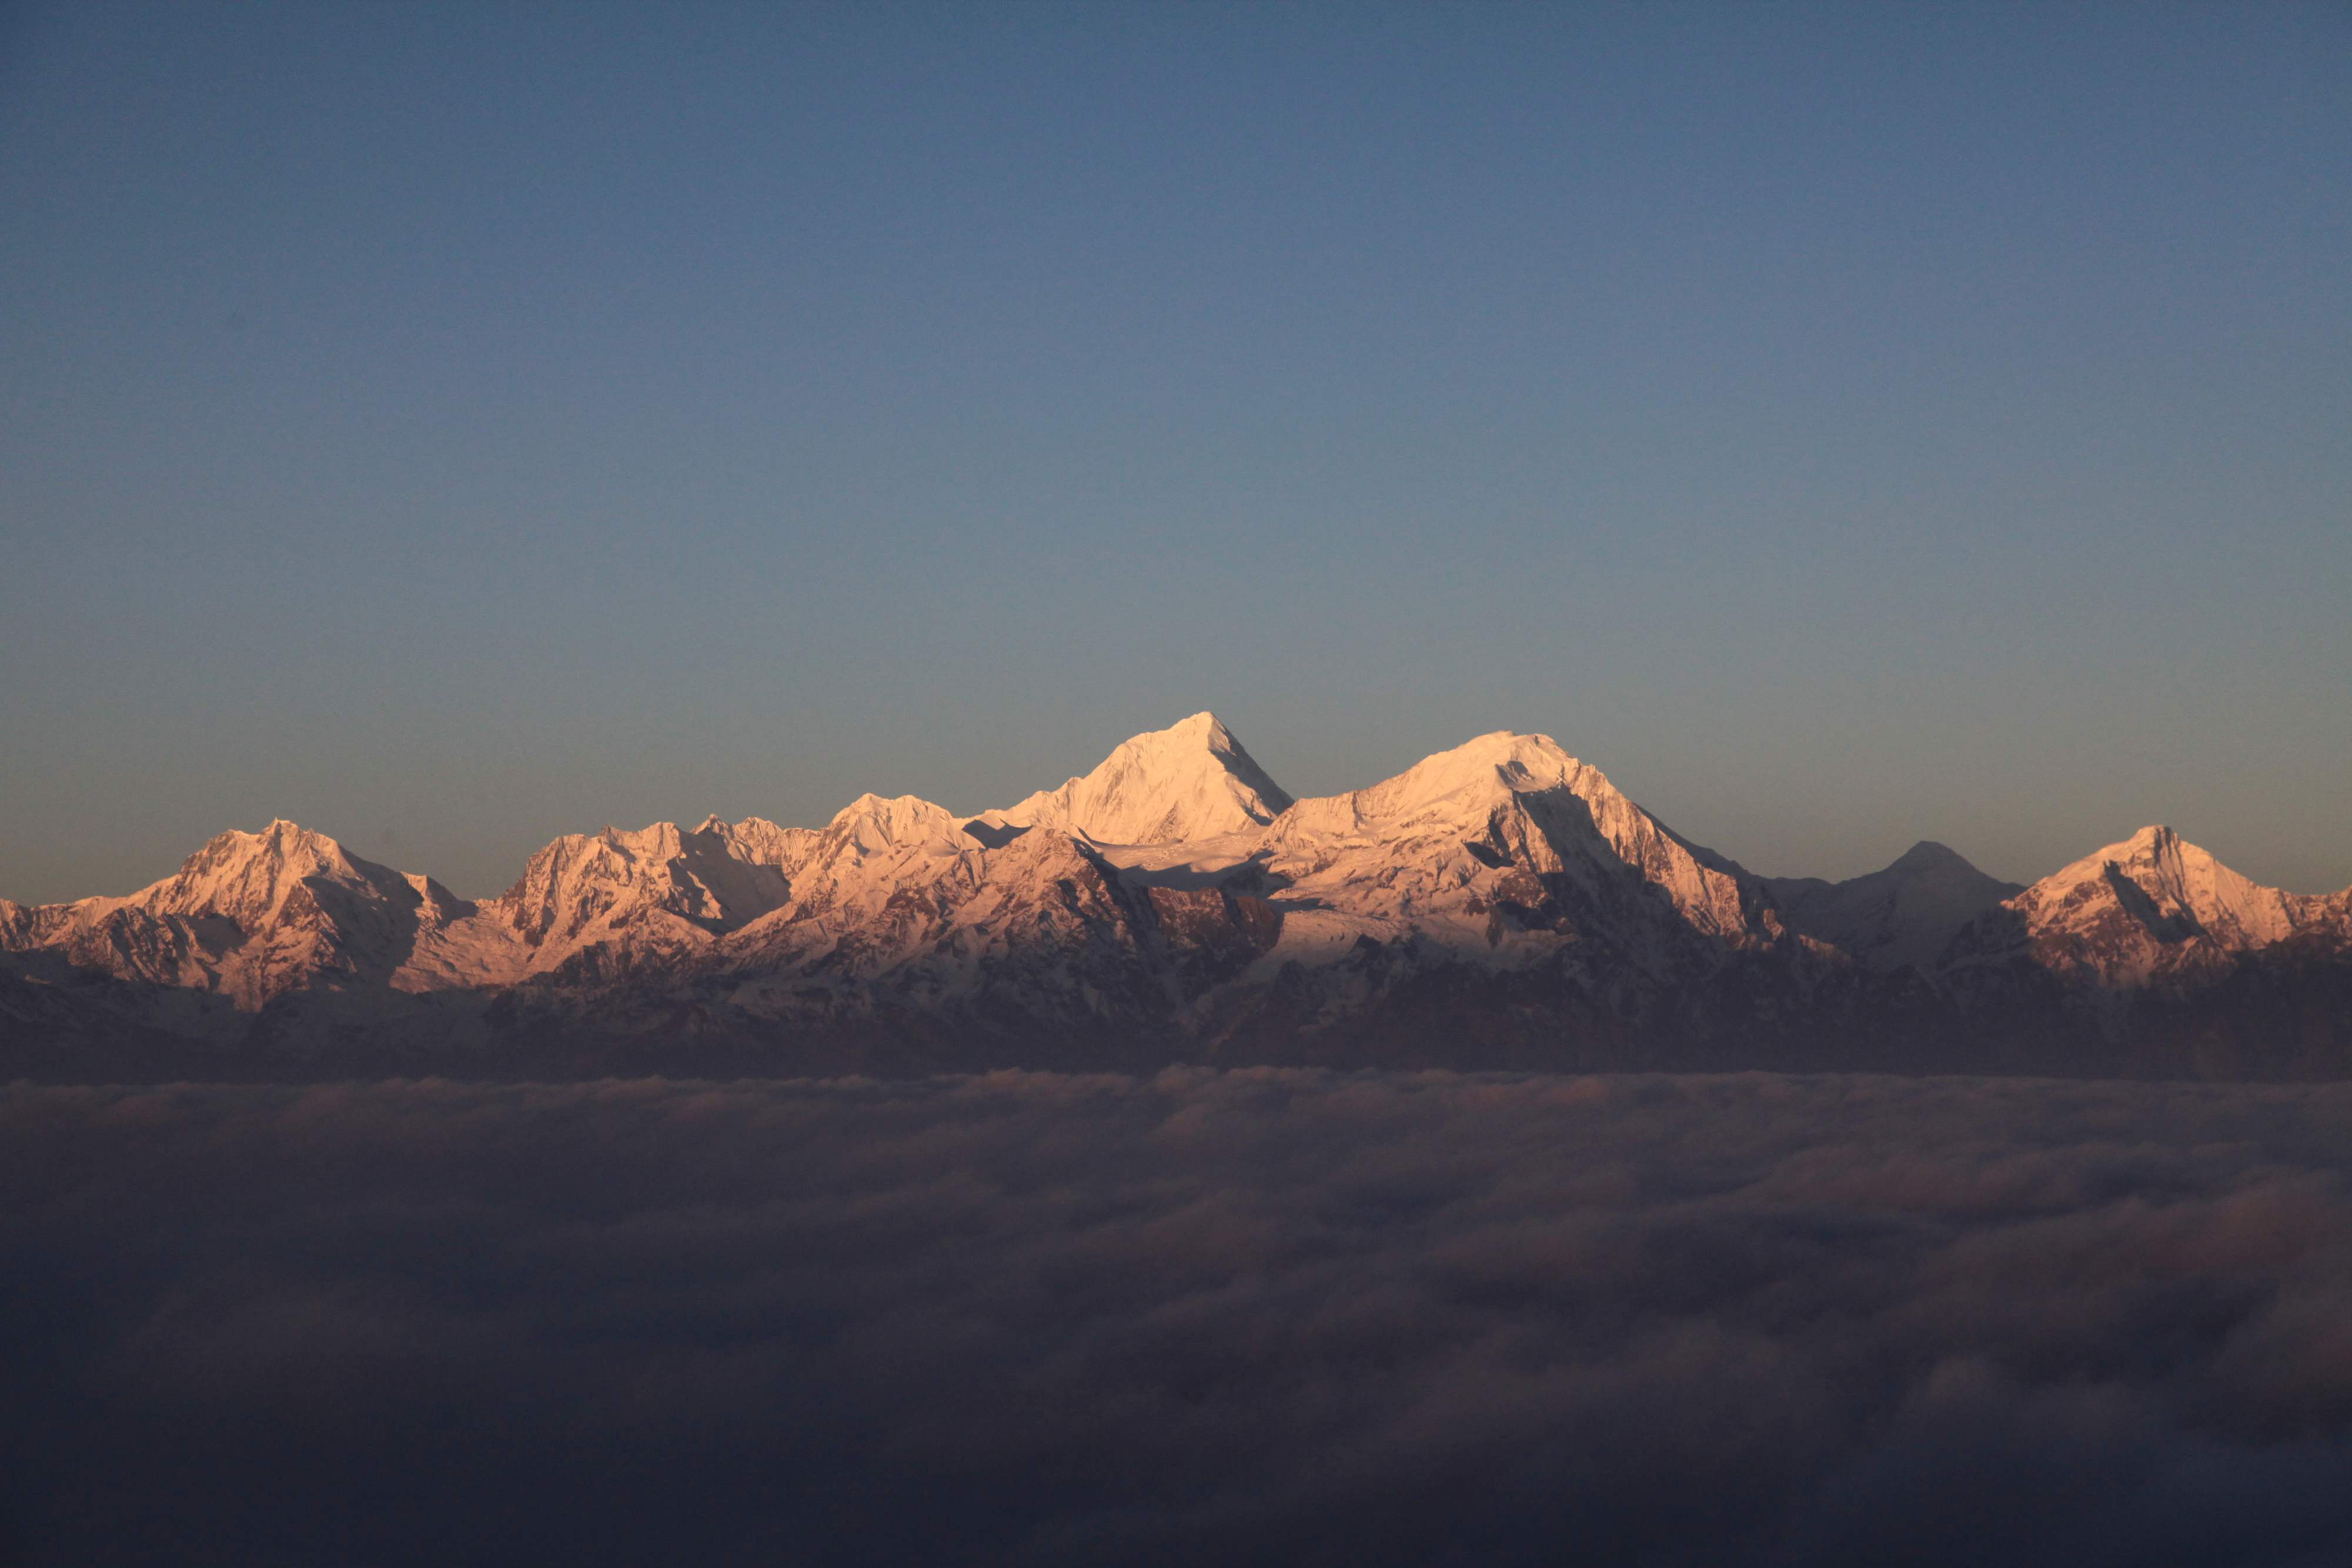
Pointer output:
x,y
1499,903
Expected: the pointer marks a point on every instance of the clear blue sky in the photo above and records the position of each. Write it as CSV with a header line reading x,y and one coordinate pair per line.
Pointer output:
x,y
453,425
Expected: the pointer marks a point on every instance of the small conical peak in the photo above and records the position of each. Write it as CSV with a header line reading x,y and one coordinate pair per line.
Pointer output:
x,y
1929,855
713,823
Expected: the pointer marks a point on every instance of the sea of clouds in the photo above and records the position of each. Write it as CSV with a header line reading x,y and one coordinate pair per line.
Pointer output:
x,y
1248,1317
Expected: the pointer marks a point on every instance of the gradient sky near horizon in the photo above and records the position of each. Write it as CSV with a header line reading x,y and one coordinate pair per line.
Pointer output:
x,y
450,426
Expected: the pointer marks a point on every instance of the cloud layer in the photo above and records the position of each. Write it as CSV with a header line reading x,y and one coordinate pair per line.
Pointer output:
x,y
1282,1317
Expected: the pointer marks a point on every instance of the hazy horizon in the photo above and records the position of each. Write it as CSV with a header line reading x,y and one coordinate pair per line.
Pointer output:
x,y
1842,426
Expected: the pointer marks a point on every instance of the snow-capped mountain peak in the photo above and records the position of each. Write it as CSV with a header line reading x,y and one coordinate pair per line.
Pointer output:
x,y
614,879
249,877
251,916
874,823
1504,800
1191,781
2150,906
1460,786
2182,885
764,842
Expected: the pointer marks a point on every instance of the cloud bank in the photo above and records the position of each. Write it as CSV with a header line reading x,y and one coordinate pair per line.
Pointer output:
x,y
1270,1316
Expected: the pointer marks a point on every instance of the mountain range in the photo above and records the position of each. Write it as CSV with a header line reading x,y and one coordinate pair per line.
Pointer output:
x,y
1501,903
